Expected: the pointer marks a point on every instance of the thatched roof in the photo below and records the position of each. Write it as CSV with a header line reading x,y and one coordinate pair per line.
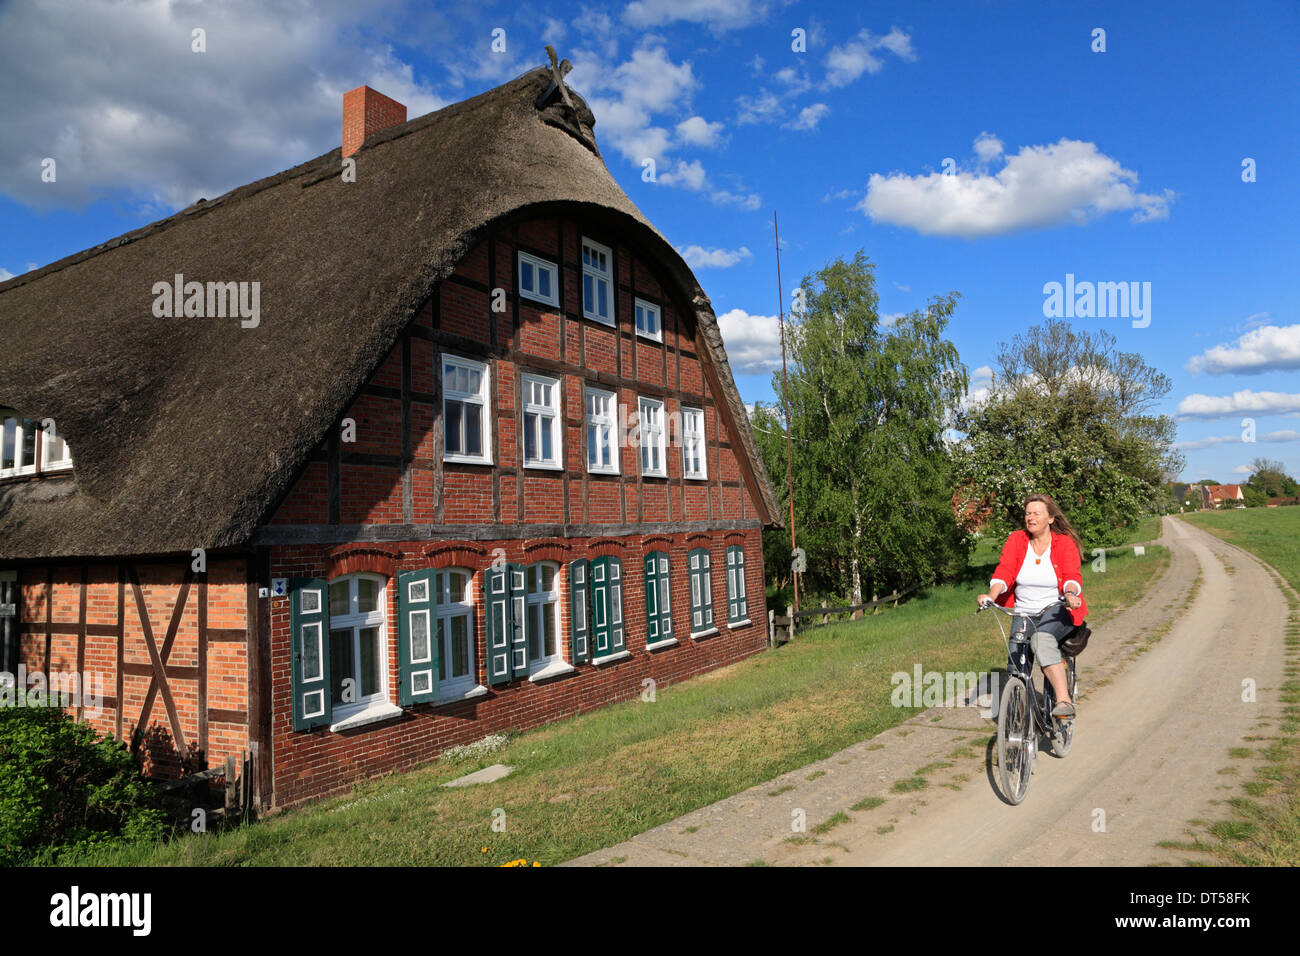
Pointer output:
x,y
186,432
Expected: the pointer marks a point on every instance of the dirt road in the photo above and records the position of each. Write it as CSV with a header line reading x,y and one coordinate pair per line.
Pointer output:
x,y
1160,702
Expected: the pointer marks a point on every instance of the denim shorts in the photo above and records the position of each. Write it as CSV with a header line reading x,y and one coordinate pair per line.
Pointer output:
x,y
1054,624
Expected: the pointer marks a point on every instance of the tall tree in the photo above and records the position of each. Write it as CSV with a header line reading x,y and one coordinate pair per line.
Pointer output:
x,y
868,407
1070,415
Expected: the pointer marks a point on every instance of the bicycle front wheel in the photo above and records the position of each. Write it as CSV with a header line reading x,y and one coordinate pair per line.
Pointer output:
x,y
1015,755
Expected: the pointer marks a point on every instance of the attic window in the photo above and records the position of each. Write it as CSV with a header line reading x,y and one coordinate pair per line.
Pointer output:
x,y
28,447
537,279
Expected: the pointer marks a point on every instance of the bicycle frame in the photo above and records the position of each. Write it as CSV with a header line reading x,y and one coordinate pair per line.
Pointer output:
x,y
1043,722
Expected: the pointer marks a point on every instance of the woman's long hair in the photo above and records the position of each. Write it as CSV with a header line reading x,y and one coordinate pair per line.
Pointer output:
x,y
1060,523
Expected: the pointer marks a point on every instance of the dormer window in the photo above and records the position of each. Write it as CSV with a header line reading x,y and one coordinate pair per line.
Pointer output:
x,y
29,447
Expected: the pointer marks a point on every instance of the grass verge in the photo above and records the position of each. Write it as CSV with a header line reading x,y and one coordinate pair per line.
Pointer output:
x,y
591,781
1264,829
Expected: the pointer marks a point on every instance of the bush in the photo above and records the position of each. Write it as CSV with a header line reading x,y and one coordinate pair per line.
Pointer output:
x,y
64,788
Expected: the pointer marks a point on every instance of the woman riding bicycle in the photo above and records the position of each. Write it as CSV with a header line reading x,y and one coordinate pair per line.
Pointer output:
x,y
1037,566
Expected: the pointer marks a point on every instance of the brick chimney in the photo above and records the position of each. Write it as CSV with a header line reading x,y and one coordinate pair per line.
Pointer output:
x,y
365,112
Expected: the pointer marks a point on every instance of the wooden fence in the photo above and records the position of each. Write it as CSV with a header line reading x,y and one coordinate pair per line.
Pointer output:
x,y
782,627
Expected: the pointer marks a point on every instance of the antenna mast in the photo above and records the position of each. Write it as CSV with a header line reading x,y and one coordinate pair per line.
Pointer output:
x,y
785,405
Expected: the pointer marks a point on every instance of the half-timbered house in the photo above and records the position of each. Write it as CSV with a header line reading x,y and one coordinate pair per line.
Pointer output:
x,y
474,461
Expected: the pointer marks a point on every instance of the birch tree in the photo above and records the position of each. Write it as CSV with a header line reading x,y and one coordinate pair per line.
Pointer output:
x,y
869,403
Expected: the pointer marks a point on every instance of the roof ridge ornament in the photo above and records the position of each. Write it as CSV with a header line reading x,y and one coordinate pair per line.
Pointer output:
x,y
558,72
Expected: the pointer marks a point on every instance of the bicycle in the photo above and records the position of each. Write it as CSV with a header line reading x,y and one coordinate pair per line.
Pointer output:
x,y
1024,713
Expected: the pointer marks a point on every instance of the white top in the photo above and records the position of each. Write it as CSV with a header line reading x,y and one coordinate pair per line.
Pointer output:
x,y
1036,582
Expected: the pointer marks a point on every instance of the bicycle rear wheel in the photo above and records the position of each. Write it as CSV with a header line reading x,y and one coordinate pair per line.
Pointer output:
x,y
1015,754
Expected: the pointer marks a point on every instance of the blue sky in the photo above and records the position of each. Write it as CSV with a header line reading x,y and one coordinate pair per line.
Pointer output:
x,y
978,147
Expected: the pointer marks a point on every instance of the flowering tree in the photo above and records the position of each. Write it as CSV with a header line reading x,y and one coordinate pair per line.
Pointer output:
x,y
1070,416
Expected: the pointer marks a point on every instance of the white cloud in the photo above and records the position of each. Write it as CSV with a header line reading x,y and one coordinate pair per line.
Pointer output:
x,y
697,131
840,194
977,389
1267,348
810,116
1284,435
5,275
1041,186
889,319
765,107
753,342
553,30
1243,470
988,147
719,15
626,98
697,257
690,175
115,95
846,63
1244,402
747,201
907,288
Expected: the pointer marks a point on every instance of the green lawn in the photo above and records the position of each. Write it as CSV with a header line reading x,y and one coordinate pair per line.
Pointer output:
x,y
1265,826
588,782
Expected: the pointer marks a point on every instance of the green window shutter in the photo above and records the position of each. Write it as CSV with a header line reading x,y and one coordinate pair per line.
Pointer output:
x,y
616,641
606,607
517,575
579,611
497,588
659,625
309,628
600,607
417,636
737,604
701,583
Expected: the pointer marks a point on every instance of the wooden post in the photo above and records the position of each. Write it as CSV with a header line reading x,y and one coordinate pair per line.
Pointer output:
x,y
789,613
771,628
826,618
230,783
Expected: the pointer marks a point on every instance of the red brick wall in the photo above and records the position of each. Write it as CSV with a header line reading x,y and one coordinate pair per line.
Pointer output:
x,y
371,493
59,588
311,764
528,336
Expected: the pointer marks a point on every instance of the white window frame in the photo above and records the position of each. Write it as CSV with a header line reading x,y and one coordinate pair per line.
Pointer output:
x,y
483,399
641,305
538,264
689,437
548,416
598,275
14,429
608,422
644,404
54,464
447,610
357,620
549,598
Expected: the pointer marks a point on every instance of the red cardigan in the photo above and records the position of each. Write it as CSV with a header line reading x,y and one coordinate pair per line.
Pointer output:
x,y
1065,562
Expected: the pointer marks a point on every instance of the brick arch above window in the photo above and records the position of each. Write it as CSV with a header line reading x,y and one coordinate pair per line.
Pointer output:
x,y
735,537
657,539
606,547
700,537
353,558
546,551
442,555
